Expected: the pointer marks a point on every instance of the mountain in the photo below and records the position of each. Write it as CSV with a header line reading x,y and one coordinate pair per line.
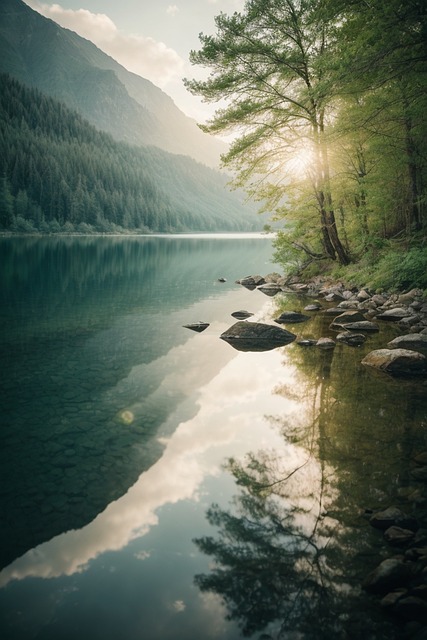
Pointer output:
x,y
61,173
65,66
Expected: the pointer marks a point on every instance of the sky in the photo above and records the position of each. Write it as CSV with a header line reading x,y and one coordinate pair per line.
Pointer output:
x,y
152,38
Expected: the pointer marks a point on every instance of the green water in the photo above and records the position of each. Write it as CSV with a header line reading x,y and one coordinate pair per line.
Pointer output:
x,y
158,484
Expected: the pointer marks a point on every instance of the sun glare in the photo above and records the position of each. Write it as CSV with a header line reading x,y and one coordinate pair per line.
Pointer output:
x,y
300,163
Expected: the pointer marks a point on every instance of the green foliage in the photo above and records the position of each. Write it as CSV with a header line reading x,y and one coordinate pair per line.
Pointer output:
x,y
346,81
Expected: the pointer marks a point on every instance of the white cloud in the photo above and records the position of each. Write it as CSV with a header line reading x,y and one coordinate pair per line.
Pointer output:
x,y
172,9
142,55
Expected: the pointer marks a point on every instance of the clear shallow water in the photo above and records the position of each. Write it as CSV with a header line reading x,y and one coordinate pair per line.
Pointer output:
x,y
118,423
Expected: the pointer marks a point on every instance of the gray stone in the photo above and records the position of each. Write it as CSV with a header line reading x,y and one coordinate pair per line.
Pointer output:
x,y
362,325
351,315
307,342
256,336
398,536
270,289
415,341
397,362
394,315
242,314
325,343
392,516
291,317
197,326
352,339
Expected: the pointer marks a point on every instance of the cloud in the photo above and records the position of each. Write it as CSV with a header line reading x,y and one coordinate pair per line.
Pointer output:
x,y
172,9
142,55
230,418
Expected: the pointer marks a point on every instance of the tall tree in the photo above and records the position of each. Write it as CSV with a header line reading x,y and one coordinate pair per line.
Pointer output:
x,y
270,63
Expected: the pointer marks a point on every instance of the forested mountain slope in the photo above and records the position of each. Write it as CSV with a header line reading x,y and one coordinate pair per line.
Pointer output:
x,y
58,171
41,54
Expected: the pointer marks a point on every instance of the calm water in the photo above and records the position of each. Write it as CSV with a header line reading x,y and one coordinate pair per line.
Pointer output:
x,y
156,484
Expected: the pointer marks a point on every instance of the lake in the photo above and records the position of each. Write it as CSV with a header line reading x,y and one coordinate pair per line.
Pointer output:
x,y
157,484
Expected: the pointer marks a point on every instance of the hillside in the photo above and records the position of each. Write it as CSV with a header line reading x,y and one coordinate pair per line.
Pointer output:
x,y
60,173
65,66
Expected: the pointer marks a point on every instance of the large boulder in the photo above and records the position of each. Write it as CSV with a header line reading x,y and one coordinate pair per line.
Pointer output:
x,y
397,362
256,336
413,341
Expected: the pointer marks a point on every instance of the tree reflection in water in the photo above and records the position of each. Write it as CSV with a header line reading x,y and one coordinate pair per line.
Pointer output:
x,y
292,549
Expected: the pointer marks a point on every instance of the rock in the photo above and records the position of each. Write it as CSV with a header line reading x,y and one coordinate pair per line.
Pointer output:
x,y
421,458
197,326
325,343
251,282
362,325
352,339
312,307
413,341
306,342
291,317
391,598
398,536
332,311
397,362
270,289
391,573
256,336
346,317
241,315
363,295
420,473
392,516
411,607
394,315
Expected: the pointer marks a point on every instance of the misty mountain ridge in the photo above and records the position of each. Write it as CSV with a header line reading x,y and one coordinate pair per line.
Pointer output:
x,y
65,66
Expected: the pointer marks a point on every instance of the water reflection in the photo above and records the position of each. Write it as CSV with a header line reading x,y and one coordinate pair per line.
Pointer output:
x,y
292,549
91,330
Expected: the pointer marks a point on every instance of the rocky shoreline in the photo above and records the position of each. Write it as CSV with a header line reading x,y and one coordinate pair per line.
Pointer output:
x,y
398,583
356,312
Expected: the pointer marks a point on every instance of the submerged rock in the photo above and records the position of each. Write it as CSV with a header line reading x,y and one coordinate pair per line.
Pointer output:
x,y
352,339
256,336
197,326
393,517
391,573
307,342
291,317
325,343
397,362
313,307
